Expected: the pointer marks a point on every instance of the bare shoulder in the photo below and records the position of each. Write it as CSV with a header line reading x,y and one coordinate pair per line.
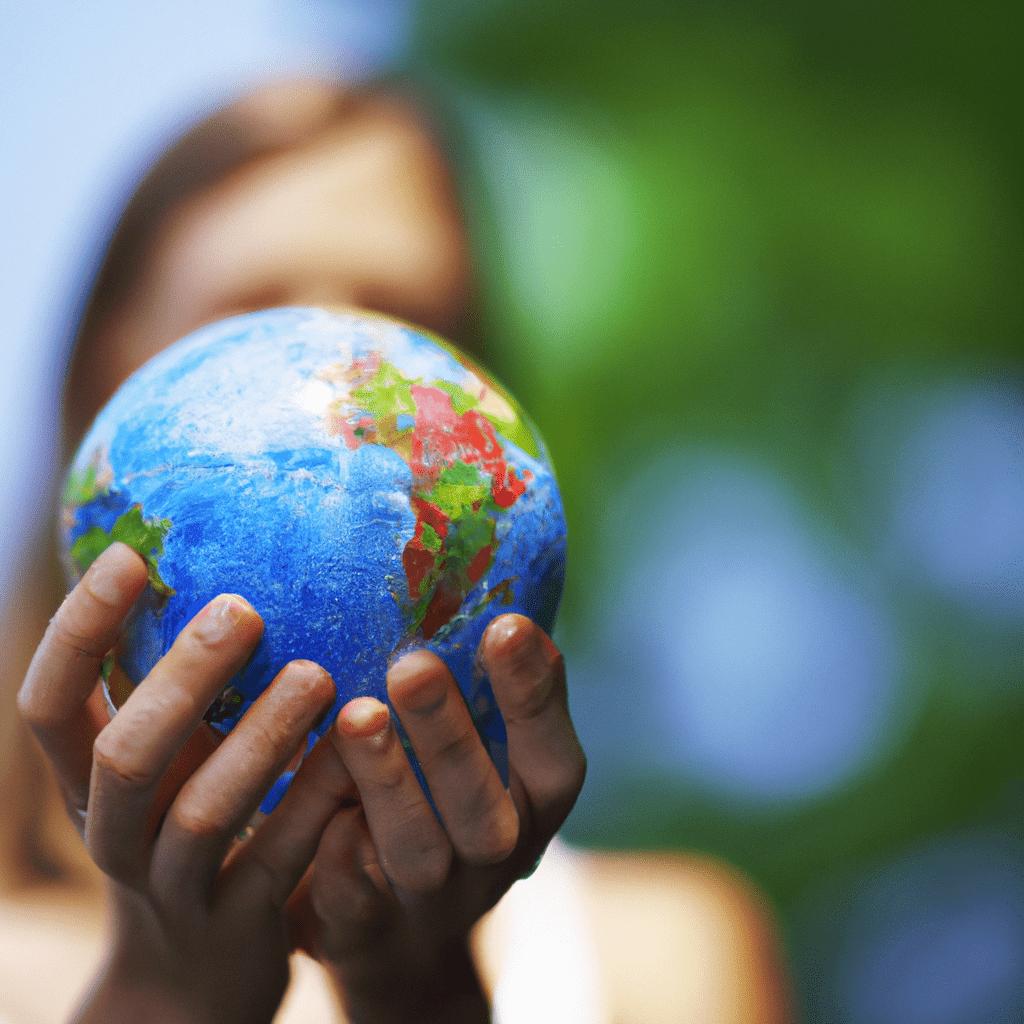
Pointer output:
x,y
684,937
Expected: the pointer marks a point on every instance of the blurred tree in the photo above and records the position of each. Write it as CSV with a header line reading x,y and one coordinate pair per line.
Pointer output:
x,y
733,226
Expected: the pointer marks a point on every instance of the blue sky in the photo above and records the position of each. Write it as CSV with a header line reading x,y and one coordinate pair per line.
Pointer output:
x,y
89,94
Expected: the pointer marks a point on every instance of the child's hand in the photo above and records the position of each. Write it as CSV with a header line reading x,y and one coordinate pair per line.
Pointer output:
x,y
392,895
199,930
199,920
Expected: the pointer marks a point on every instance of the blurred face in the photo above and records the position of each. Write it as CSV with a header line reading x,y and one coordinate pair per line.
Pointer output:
x,y
364,214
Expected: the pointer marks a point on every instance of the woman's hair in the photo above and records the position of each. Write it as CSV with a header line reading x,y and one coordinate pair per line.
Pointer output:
x,y
260,125
230,143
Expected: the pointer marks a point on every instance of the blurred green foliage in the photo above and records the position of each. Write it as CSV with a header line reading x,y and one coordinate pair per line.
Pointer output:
x,y
808,190
722,224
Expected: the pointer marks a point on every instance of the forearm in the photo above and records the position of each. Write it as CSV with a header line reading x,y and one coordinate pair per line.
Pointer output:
x,y
115,999
114,1004
437,989
145,979
119,1000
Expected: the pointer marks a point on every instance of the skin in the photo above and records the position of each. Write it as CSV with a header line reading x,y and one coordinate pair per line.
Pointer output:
x,y
353,864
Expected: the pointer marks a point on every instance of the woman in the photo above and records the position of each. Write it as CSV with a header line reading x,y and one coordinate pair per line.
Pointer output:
x,y
304,194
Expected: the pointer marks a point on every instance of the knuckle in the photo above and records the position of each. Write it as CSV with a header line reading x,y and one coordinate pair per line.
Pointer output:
x,y
115,862
103,599
458,749
78,639
265,882
112,754
422,871
554,784
37,714
277,735
387,762
577,775
424,692
574,777
390,777
83,620
493,845
356,913
196,819
173,704
366,911
533,698
490,825
564,790
330,788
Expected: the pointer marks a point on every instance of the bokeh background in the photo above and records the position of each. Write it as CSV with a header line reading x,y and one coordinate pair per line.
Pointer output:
x,y
757,271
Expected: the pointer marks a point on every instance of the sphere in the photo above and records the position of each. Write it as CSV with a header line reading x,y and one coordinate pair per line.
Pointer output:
x,y
364,485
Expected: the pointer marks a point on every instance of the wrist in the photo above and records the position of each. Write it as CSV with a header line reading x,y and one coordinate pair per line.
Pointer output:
x,y
415,986
116,1001
131,989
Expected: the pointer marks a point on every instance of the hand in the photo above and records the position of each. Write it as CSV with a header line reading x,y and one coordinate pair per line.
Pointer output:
x,y
199,926
392,894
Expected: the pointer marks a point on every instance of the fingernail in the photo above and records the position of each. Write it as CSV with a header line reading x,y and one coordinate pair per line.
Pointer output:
x,y
364,715
520,643
220,617
317,674
108,580
502,630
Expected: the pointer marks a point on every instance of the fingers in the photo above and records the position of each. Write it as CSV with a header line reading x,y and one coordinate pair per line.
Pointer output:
x,y
132,754
320,817
285,843
527,674
477,812
349,891
64,671
481,820
222,795
412,847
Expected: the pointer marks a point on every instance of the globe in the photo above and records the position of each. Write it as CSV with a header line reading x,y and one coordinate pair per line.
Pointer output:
x,y
365,486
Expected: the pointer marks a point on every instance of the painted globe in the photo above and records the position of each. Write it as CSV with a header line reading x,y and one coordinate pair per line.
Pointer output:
x,y
364,485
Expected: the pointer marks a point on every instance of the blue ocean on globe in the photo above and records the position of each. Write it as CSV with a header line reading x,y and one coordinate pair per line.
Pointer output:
x,y
364,485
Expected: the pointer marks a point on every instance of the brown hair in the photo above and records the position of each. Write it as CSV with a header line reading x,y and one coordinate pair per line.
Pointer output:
x,y
259,125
